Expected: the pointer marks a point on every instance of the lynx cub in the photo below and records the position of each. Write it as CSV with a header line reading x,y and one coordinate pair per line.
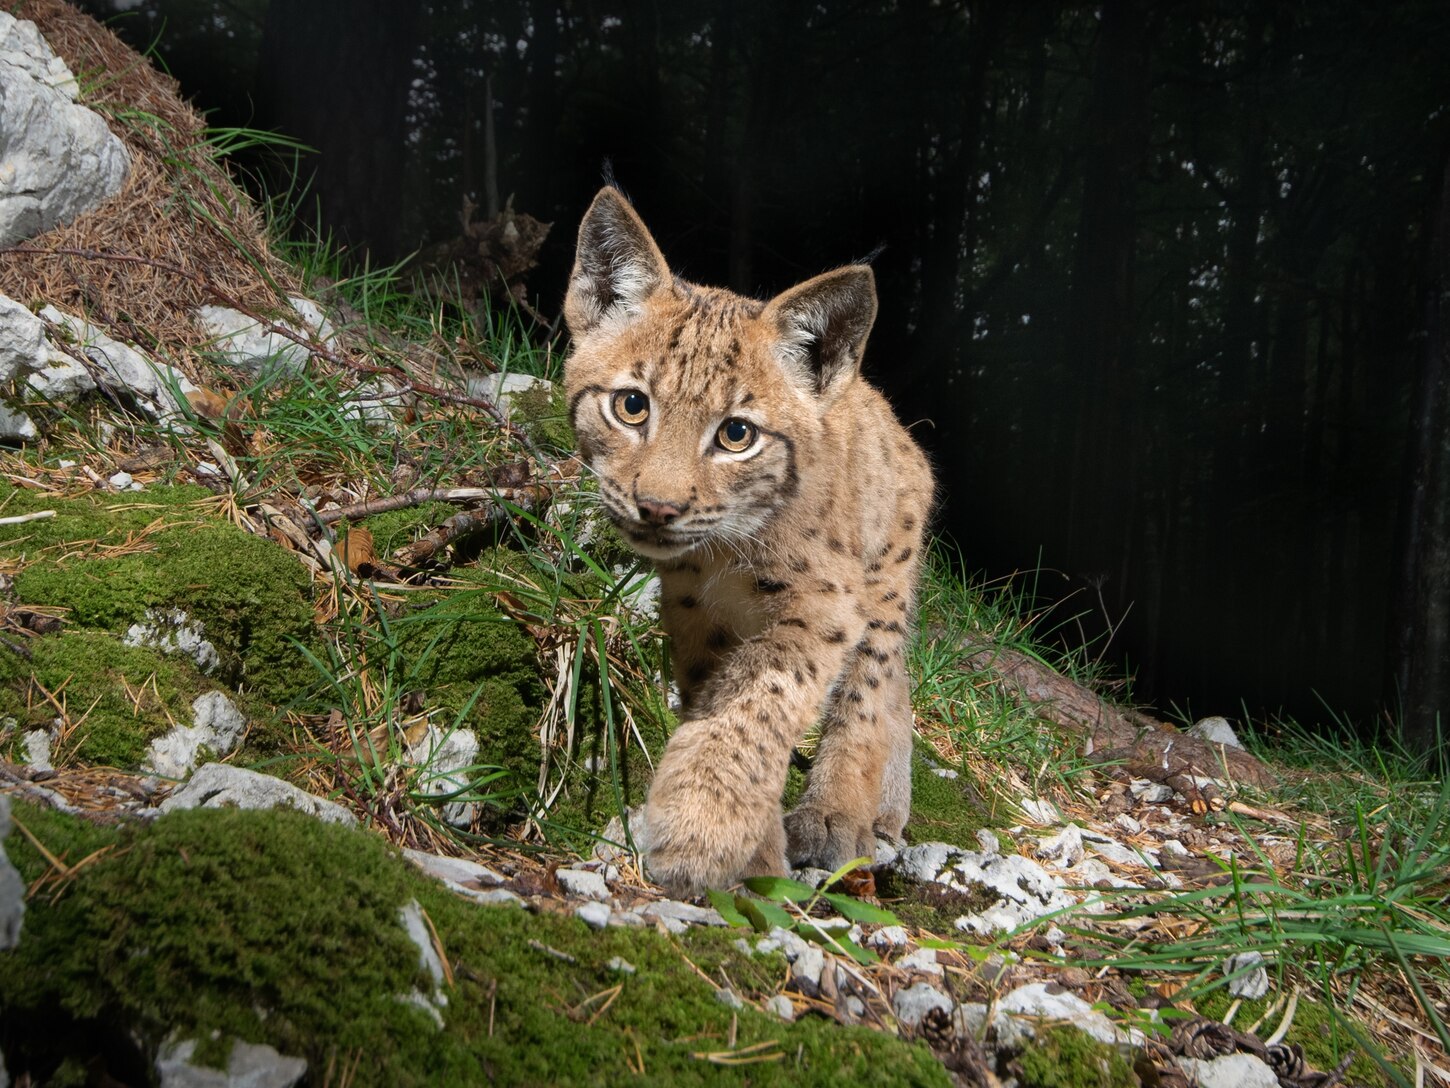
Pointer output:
x,y
737,446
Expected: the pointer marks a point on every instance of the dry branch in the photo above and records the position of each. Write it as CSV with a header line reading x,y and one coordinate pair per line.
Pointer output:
x,y
466,522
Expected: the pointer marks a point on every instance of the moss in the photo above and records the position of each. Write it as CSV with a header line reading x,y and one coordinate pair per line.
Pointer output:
x,y
398,527
250,596
1323,1040
276,928
541,411
117,697
1064,1057
941,810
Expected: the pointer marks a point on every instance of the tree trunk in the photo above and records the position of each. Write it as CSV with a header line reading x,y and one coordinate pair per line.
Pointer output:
x,y
1421,629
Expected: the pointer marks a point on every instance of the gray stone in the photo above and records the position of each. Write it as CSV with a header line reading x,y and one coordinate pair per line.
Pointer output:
x,y
594,915
888,937
729,998
1230,1071
1248,977
451,871
245,344
1040,812
627,918
57,158
1215,731
914,1002
416,926
446,760
780,1007
36,746
925,861
684,912
1064,849
217,785
502,388
1153,793
1125,823
12,888
250,1065
923,961
814,877
1025,890
987,841
790,945
172,631
216,725
582,883
621,965
886,852
807,968
157,389
1024,1008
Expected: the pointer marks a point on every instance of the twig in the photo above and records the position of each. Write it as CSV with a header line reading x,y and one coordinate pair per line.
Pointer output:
x,y
465,522
416,497
313,346
20,519
540,946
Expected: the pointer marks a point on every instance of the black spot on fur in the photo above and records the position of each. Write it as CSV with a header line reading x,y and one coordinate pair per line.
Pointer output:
x,y
688,601
768,585
719,639
905,554
836,636
795,621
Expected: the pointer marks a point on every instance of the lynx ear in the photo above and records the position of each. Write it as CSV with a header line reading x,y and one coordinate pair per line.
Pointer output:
x,y
617,263
823,325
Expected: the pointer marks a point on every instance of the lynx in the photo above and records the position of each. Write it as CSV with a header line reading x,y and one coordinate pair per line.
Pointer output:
x,y
737,446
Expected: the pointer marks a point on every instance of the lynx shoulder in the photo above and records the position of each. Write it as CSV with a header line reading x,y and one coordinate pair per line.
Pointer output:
x,y
737,445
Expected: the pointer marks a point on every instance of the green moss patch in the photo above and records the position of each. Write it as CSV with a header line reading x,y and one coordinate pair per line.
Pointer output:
x,y
104,558
941,810
1064,1057
117,697
276,928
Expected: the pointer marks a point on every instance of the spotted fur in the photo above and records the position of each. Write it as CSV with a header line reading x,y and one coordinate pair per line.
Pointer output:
x,y
789,565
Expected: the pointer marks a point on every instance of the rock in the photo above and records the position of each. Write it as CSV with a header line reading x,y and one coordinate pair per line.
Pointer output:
x,y
615,833
780,1007
1230,1071
216,725
914,1002
502,388
217,785
57,158
683,912
1040,812
245,344
447,760
36,746
1125,823
1247,976
1064,849
416,926
594,915
888,937
452,871
582,883
1215,731
626,918
923,961
172,631
816,878
249,1065
12,888
886,853
1035,1003
620,965
153,386
729,998
1025,890
925,861
1152,793
806,970
970,1019
987,841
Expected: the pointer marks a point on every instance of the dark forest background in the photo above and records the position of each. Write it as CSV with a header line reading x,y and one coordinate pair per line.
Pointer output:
x,y
1162,287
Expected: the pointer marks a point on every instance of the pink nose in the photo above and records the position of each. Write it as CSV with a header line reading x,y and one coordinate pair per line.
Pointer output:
x,y
656,512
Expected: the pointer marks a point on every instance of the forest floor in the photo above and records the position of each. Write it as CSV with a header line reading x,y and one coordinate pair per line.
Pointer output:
x,y
414,610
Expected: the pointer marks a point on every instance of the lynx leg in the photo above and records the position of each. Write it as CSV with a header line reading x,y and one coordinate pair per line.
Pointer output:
x,y
895,804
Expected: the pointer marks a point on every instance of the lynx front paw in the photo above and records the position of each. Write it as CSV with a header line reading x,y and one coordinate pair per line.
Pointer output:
x,y
707,826
826,838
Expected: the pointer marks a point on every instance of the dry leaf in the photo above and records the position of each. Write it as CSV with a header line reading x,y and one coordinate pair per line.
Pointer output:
x,y
207,404
356,551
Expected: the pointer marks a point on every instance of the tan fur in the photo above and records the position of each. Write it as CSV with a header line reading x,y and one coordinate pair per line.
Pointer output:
x,y
789,572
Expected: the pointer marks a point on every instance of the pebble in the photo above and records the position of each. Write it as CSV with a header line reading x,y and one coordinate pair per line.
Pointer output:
x,y
914,1002
582,883
729,998
806,970
988,842
121,480
888,937
780,1006
1125,823
594,914
1253,983
682,912
620,964
1230,1071
923,960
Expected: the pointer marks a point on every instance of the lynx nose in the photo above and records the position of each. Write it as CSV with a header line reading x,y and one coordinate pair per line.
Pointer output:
x,y
656,512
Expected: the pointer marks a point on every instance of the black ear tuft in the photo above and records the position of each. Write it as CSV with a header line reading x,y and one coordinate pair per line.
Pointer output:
x,y
823,325
616,265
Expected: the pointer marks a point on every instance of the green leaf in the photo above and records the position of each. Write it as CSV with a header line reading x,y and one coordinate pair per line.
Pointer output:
x,y
763,914
840,942
724,902
780,888
859,911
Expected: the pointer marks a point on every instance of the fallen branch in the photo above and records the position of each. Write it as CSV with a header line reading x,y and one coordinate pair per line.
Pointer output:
x,y
466,522
1115,733
417,497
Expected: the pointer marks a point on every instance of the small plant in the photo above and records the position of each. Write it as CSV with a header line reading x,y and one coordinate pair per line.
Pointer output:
x,y
783,903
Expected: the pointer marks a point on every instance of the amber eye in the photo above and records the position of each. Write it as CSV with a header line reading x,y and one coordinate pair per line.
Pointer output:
x,y
735,435
631,407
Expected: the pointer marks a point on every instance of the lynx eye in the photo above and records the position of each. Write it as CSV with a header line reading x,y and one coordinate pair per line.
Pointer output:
x,y
735,436
631,407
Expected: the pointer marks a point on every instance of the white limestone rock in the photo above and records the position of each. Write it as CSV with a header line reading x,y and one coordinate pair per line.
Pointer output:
x,y
12,888
1230,1071
594,915
249,1065
582,883
1215,731
447,759
159,391
218,785
1019,1013
247,345
887,938
172,631
57,158
216,726
781,1008
923,961
36,746
1247,976
1025,891
913,1003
